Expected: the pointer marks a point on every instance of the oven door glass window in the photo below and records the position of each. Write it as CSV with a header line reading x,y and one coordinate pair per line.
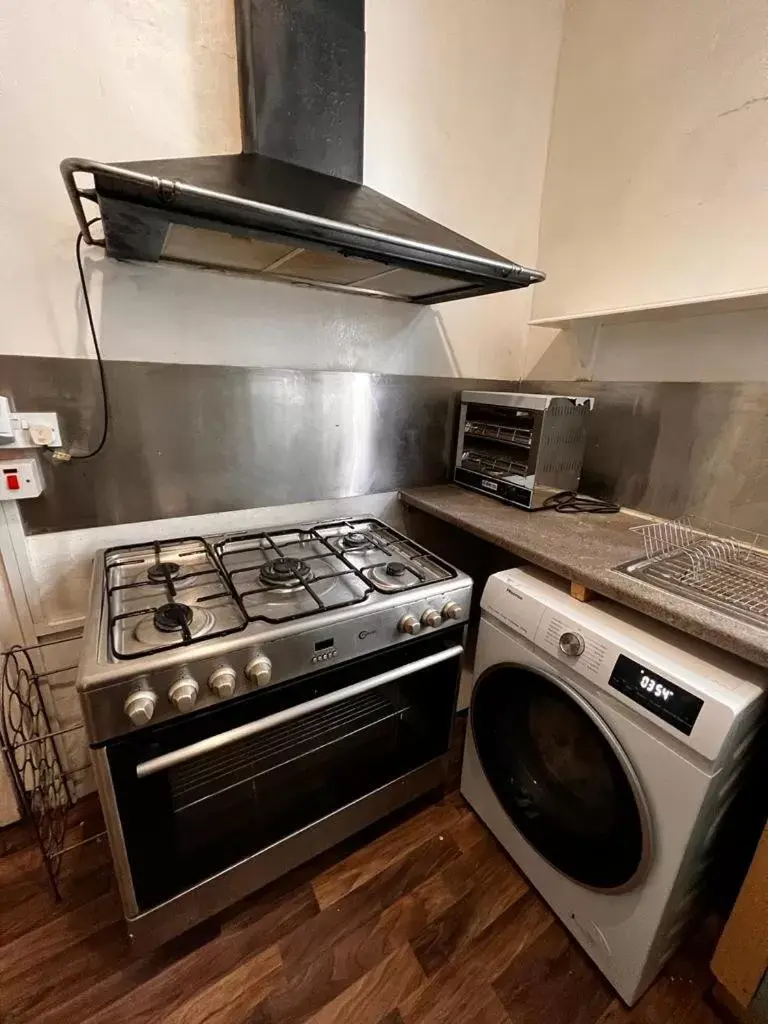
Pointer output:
x,y
560,776
187,822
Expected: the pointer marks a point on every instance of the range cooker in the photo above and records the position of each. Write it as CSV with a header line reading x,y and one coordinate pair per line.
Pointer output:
x,y
253,699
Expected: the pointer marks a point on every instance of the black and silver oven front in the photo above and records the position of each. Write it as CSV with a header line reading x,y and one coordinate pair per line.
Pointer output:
x,y
204,809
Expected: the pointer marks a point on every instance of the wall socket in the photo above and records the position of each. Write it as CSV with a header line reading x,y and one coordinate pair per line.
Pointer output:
x,y
27,429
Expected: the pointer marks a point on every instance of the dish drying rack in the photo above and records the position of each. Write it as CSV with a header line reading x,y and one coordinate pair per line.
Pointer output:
x,y
29,745
719,566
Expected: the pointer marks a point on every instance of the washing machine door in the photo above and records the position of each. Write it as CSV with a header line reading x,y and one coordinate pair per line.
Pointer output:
x,y
561,776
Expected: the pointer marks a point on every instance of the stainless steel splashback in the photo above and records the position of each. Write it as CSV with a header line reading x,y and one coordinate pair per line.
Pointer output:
x,y
188,439
675,448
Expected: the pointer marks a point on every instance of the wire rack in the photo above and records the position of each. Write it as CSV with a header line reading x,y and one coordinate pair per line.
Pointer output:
x,y
30,748
500,432
490,465
722,567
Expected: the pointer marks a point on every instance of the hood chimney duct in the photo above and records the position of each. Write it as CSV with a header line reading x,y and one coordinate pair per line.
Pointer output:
x,y
301,68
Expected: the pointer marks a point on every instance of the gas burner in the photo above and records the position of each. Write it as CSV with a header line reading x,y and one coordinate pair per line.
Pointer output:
x,y
393,576
160,572
163,627
285,572
170,617
356,541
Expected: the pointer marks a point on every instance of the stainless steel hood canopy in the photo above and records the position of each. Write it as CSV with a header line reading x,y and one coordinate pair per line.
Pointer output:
x,y
291,206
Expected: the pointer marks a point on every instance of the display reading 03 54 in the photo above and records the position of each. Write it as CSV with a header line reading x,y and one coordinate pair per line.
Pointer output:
x,y
654,688
666,700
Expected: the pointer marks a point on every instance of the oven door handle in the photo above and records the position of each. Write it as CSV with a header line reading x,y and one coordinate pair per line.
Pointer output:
x,y
224,739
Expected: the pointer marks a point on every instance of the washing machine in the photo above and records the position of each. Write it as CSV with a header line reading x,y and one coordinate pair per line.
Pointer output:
x,y
602,751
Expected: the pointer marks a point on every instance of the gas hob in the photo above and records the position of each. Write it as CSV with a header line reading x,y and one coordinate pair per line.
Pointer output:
x,y
180,625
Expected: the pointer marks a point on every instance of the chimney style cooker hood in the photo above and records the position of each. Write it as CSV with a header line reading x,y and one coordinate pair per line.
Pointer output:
x,y
291,206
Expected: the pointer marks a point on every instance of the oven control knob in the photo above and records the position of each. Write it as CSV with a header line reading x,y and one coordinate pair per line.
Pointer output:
x,y
409,624
259,670
431,618
183,693
571,644
452,610
140,706
222,681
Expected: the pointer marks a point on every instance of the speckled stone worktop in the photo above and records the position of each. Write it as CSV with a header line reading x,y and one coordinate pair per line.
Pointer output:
x,y
586,548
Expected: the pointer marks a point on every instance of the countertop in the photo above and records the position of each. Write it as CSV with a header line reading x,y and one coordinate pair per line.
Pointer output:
x,y
585,548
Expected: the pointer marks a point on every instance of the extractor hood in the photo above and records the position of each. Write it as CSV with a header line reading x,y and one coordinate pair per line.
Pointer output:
x,y
292,205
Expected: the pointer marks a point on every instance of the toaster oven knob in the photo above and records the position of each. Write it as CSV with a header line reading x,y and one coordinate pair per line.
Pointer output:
x,y
409,624
431,618
140,706
259,670
222,681
183,693
452,610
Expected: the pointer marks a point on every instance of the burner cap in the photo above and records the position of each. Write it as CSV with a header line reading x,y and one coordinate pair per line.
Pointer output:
x,y
170,617
355,540
395,569
284,572
161,571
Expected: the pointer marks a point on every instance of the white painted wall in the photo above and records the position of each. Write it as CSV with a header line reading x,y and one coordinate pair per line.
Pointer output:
x,y
724,347
458,104
459,98
656,189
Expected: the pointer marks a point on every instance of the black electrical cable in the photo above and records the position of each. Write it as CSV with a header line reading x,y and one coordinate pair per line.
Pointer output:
x,y
58,454
571,502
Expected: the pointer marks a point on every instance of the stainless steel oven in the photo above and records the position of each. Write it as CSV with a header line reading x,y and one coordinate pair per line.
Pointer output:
x,y
212,806
253,699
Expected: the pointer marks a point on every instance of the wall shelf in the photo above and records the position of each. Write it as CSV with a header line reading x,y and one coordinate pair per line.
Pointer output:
x,y
729,303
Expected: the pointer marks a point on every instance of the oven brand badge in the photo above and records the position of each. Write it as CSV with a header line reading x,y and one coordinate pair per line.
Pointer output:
x,y
489,485
365,633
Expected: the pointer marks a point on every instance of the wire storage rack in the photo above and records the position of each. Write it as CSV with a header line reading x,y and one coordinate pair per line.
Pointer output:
x,y
723,567
30,747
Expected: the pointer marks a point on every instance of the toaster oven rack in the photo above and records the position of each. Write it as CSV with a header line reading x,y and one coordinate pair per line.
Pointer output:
x,y
29,746
492,465
722,567
520,437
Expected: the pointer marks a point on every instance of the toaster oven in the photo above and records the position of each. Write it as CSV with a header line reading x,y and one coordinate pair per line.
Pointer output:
x,y
521,448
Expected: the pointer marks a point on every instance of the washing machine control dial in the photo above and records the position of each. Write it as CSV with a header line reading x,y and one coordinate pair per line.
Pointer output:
x,y
571,644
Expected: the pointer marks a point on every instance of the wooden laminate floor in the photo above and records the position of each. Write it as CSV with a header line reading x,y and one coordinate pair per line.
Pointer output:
x,y
418,921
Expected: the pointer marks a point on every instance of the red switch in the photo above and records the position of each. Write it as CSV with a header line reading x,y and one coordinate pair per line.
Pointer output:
x,y
12,482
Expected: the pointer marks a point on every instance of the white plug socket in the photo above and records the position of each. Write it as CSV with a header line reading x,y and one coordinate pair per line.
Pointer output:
x,y
28,429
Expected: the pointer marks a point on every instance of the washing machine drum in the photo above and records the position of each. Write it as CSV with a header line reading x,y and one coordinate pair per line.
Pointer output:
x,y
560,776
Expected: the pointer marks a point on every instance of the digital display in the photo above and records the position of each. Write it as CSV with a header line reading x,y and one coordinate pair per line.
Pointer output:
x,y
669,702
323,645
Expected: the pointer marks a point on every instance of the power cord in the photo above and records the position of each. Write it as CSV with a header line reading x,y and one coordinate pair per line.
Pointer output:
x,y
59,454
571,503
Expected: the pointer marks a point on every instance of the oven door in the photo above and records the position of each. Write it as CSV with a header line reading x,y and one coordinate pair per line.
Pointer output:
x,y
198,795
